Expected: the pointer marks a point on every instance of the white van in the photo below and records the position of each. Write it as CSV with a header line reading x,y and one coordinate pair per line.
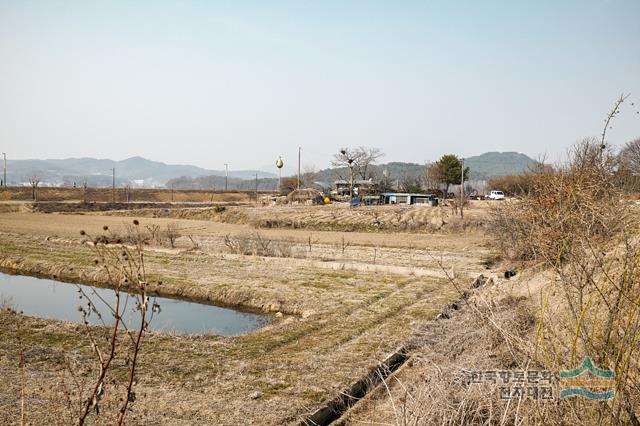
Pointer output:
x,y
496,195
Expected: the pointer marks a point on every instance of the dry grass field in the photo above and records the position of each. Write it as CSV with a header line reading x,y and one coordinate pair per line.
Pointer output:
x,y
348,299
333,217
104,195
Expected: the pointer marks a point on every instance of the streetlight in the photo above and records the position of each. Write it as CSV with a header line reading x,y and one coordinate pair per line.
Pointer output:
x,y
226,176
279,164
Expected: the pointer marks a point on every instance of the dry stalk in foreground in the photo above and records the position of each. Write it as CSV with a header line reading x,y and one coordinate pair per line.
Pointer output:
x,y
124,268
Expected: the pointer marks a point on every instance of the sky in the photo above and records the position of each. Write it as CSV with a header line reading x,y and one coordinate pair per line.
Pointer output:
x,y
243,82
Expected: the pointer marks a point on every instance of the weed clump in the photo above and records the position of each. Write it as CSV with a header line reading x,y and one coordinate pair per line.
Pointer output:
x,y
574,221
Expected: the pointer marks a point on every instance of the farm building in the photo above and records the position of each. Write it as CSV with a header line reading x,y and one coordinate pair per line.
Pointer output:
x,y
405,198
359,186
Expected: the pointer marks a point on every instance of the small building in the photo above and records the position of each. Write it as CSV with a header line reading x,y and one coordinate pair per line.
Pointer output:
x,y
360,186
405,198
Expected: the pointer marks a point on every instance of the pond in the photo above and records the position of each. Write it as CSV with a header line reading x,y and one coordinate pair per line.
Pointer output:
x,y
51,299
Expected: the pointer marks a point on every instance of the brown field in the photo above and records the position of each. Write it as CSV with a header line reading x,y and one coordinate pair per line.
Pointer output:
x,y
105,195
333,217
349,298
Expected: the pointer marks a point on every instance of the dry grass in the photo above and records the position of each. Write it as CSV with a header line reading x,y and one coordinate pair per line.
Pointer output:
x,y
483,333
335,217
105,195
575,228
343,320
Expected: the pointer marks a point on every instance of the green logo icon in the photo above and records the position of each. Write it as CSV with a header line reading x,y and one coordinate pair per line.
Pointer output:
x,y
588,381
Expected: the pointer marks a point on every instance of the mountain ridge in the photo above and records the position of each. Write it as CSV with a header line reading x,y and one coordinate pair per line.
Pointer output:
x,y
139,171
97,172
482,167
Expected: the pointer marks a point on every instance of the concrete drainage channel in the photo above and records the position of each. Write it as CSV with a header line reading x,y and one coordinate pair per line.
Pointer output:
x,y
335,408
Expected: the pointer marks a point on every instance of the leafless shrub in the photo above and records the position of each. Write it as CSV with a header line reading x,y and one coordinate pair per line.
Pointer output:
x,y
344,244
514,185
574,221
311,242
238,245
195,244
172,233
573,201
124,268
257,245
281,248
153,230
132,234
456,204
34,181
261,244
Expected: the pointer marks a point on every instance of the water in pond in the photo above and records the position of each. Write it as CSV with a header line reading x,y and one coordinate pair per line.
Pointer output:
x,y
57,300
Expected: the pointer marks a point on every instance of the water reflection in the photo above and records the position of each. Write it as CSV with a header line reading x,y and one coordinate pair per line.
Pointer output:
x,y
57,300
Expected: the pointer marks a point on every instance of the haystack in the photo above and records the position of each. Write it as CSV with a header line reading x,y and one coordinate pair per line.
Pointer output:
x,y
305,196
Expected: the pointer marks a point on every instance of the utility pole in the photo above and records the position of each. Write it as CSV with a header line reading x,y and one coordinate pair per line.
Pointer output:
x,y
226,176
4,182
256,190
351,179
299,150
113,185
462,189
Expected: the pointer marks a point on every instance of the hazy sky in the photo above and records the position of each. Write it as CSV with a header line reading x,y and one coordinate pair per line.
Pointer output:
x,y
209,82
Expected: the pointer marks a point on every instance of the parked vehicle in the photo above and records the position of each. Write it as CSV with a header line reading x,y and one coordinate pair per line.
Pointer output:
x,y
496,195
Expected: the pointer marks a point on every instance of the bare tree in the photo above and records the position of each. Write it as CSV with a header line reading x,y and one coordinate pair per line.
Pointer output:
x,y
411,183
365,157
610,116
630,156
34,181
84,191
357,161
172,233
346,158
433,176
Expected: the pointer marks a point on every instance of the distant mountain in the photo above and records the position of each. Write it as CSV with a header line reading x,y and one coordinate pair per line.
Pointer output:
x,y
136,170
139,171
482,167
219,182
493,164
